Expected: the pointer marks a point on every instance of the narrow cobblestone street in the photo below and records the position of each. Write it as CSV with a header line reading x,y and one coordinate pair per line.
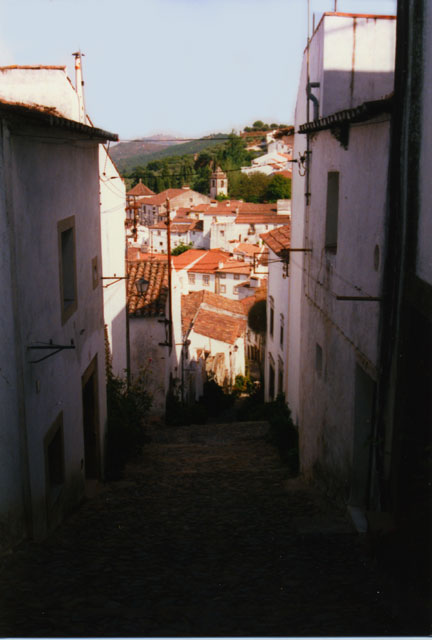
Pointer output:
x,y
206,536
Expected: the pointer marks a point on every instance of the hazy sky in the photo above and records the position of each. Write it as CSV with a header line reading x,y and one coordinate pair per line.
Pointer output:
x,y
185,67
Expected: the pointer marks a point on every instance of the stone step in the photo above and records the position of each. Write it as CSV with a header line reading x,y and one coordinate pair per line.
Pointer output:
x,y
220,433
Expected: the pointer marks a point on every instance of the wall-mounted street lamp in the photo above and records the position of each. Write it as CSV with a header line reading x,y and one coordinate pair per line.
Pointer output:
x,y
141,286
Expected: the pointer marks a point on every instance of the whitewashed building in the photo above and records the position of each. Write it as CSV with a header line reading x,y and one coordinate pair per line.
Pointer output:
x,y
338,230
276,352
52,352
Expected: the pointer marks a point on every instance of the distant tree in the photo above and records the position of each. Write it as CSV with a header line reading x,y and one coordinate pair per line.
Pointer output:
x,y
181,248
258,125
234,154
250,187
221,197
279,187
257,317
201,181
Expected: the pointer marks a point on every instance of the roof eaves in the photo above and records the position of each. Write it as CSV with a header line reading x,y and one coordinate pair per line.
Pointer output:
x,y
45,117
365,111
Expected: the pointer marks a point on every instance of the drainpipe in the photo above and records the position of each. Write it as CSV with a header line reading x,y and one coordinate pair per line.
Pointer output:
x,y
79,86
310,96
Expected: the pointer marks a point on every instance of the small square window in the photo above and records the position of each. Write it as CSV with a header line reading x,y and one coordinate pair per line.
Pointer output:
x,y
222,275
191,277
236,276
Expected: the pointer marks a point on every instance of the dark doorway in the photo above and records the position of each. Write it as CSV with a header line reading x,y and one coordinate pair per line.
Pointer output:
x,y
91,420
362,445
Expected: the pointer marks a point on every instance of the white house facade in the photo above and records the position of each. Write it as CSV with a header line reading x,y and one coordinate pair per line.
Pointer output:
x,y
52,385
337,241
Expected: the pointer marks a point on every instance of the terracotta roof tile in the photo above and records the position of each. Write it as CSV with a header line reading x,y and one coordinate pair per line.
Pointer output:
x,y
262,219
279,240
209,263
247,249
140,189
161,197
186,258
208,323
235,266
153,302
192,302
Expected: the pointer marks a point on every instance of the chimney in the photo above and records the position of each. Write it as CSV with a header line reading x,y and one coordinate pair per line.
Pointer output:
x,y
79,86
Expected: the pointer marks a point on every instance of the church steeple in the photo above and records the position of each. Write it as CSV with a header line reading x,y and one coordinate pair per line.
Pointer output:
x,y
218,182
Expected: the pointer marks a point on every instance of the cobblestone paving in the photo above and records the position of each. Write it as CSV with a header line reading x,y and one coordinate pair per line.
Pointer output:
x,y
205,537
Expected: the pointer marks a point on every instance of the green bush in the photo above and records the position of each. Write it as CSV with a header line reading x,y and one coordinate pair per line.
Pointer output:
x,y
127,408
243,384
283,432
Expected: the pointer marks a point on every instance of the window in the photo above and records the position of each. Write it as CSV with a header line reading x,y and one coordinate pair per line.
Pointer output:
x,y
332,211
161,244
223,288
206,280
281,336
236,276
54,460
222,275
222,232
271,377
95,272
191,278
280,376
271,323
222,183
318,360
67,268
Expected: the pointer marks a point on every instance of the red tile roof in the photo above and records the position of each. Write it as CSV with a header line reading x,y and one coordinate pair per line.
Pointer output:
x,y
235,266
209,263
262,219
186,258
247,249
279,240
161,197
286,173
153,302
140,189
134,254
208,323
192,302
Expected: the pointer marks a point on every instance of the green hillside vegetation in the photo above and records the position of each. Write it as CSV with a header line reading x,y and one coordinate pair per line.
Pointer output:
x,y
192,164
129,163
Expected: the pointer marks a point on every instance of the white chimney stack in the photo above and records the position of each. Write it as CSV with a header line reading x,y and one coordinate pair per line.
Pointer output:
x,y
79,86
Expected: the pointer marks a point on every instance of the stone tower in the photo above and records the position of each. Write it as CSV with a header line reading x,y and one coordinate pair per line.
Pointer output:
x,y
218,182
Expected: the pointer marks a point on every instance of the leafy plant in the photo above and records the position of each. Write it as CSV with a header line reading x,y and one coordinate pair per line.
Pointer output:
x,y
283,432
127,408
181,248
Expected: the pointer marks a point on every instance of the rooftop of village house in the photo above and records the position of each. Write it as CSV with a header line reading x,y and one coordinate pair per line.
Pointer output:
x,y
140,189
153,302
279,240
213,315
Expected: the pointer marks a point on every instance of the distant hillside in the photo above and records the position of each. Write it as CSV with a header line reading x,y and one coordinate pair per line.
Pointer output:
x,y
140,153
122,151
